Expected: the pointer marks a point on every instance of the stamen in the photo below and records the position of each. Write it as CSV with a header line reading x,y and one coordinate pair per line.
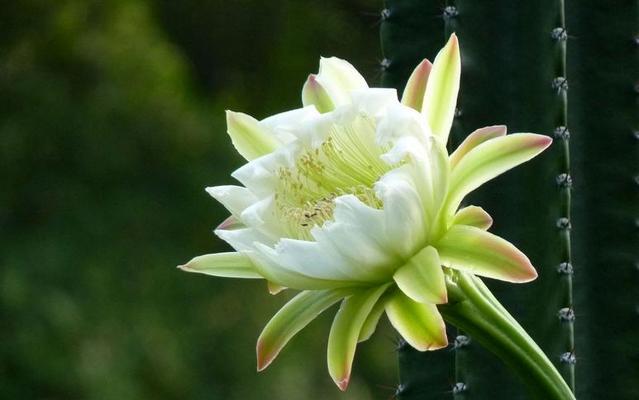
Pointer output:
x,y
347,162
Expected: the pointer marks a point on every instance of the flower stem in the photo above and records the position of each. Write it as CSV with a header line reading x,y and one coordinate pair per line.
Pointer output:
x,y
474,309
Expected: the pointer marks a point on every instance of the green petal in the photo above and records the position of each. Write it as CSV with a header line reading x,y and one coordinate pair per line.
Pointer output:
x,y
274,288
249,138
290,319
415,89
475,139
226,265
372,320
422,278
345,332
467,248
473,216
490,159
313,93
420,324
441,92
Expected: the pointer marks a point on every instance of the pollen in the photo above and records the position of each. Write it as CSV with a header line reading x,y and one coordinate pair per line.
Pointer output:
x,y
346,162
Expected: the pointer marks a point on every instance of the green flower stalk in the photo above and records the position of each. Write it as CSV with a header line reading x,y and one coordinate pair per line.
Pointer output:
x,y
353,198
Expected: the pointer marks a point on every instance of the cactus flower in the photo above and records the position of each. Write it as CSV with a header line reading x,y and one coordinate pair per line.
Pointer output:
x,y
354,199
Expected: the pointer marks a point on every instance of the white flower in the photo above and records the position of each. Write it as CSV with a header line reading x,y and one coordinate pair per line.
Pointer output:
x,y
354,198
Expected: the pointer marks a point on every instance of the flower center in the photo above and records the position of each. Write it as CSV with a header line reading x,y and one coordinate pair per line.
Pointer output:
x,y
346,162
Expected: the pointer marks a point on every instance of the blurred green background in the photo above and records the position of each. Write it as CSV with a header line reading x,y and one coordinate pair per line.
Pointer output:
x,y
111,125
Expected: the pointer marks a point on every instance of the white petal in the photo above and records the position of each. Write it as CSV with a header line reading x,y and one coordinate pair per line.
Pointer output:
x,y
285,126
235,198
339,78
267,262
243,239
374,101
403,210
362,243
401,121
314,259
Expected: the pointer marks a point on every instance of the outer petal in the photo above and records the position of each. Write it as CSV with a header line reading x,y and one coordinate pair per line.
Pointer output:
x,y
372,320
249,138
489,160
475,139
339,78
471,249
473,216
226,265
441,92
422,278
345,332
290,319
420,324
313,93
413,95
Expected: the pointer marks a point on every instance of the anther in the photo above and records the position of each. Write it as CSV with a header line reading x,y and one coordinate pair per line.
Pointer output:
x,y
384,64
564,180
559,34
561,132
566,314
560,84
458,112
450,12
400,389
568,358
461,341
565,268
385,14
563,223
459,387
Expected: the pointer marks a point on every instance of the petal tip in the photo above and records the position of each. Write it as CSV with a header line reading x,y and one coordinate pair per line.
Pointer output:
x,y
342,384
263,358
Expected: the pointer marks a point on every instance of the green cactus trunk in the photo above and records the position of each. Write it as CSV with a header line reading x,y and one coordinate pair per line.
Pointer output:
x,y
517,60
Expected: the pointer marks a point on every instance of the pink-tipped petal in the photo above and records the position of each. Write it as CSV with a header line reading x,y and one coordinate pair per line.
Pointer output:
x,y
473,216
489,160
313,93
471,249
230,223
290,319
422,278
420,324
415,89
225,265
346,330
475,139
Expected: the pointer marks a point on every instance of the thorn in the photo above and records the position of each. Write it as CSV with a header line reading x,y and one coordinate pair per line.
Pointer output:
x,y
450,12
564,181
566,314
565,268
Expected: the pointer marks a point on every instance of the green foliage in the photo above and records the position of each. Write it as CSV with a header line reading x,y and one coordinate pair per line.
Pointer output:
x,y
512,56
111,125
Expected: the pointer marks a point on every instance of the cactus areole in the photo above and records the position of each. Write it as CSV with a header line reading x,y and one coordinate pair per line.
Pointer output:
x,y
353,198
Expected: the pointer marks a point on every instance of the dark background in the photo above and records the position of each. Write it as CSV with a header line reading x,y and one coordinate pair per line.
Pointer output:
x,y
111,125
